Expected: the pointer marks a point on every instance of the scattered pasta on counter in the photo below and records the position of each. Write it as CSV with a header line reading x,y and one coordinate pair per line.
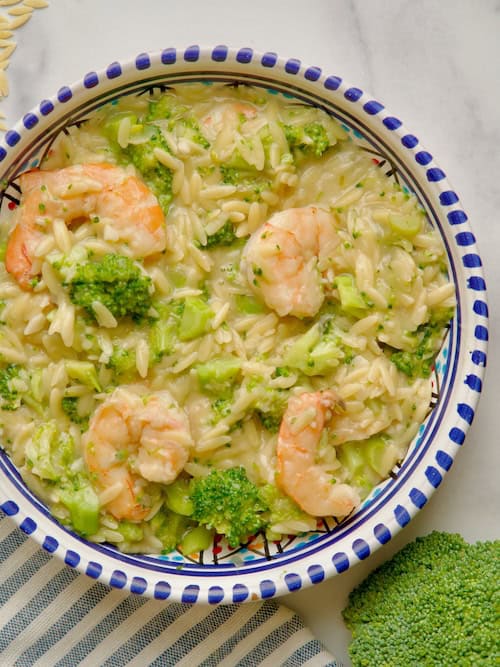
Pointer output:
x,y
15,15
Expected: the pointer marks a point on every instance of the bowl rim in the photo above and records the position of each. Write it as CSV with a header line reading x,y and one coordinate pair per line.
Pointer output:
x,y
309,565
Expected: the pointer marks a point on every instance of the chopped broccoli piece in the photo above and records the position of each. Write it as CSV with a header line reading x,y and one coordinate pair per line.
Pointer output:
x,y
83,504
156,175
180,119
407,226
116,282
434,603
269,403
217,375
132,532
245,177
351,300
428,337
310,138
283,511
271,422
229,502
178,497
413,364
122,361
230,175
195,318
222,407
368,461
49,453
162,338
169,528
224,237
196,539
70,406
84,371
317,351
12,378
248,305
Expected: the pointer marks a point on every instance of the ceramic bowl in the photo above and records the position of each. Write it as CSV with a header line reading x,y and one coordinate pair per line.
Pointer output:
x,y
261,569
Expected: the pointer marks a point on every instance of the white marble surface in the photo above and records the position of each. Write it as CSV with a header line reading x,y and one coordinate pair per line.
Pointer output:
x,y
434,64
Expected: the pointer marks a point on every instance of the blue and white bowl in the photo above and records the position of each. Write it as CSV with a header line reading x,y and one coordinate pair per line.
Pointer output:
x,y
261,569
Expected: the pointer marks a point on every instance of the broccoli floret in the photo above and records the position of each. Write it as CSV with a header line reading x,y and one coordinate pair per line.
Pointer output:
x,y
224,237
122,361
428,337
156,175
12,377
271,422
434,603
116,282
180,119
50,453
319,350
311,138
269,404
229,502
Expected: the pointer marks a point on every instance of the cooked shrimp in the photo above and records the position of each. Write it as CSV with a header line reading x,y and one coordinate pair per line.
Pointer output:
x,y
300,477
286,258
129,211
134,440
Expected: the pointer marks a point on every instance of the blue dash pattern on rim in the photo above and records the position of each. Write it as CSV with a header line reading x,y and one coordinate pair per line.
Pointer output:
x,y
260,569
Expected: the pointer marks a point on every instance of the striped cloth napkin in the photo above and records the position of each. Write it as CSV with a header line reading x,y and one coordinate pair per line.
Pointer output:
x,y
51,616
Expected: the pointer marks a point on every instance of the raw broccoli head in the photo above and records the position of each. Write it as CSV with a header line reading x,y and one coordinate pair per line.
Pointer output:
x,y
229,502
116,282
434,603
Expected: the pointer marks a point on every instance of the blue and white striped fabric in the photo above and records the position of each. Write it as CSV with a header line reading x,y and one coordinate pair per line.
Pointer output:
x,y
51,616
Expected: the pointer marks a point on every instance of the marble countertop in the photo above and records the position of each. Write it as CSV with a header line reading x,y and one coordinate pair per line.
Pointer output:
x,y
434,64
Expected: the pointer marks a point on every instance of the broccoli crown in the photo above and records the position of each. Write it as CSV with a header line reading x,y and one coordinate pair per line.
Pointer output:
x,y
311,138
116,282
434,603
229,502
10,398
